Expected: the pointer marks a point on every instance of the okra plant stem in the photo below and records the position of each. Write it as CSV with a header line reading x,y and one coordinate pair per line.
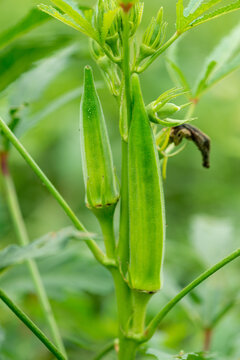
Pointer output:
x,y
34,329
123,247
140,301
107,229
23,238
127,349
97,252
190,111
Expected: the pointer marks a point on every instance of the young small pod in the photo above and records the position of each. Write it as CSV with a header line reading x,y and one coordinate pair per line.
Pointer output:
x,y
98,170
146,202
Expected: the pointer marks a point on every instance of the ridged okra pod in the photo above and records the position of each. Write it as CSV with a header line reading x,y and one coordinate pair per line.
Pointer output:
x,y
98,170
146,203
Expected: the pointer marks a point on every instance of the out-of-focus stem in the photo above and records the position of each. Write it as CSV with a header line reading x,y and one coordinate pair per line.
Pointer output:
x,y
22,235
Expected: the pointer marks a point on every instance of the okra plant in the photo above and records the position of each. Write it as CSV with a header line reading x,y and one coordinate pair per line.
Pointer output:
x,y
150,135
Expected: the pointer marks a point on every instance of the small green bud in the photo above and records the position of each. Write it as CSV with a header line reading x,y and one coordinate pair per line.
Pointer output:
x,y
153,36
156,113
135,17
99,174
167,110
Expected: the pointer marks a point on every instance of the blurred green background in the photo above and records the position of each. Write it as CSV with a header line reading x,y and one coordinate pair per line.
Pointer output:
x,y
203,206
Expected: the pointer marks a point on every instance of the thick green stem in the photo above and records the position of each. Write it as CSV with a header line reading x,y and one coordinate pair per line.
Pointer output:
x,y
127,349
123,246
34,329
97,252
105,218
140,301
124,301
23,238
152,327
126,65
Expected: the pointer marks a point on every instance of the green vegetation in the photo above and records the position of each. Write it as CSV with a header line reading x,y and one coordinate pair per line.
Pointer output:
x,y
158,224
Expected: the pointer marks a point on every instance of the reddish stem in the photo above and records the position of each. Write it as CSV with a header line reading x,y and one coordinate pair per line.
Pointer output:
x,y
126,7
207,339
194,101
4,163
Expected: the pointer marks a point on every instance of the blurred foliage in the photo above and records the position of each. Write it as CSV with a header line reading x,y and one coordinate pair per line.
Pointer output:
x,y
203,206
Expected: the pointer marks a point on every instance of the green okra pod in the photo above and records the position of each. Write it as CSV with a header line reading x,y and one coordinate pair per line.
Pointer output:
x,y
98,170
146,203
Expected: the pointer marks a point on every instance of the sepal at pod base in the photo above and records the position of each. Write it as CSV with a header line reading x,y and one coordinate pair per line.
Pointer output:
x,y
99,174
146,201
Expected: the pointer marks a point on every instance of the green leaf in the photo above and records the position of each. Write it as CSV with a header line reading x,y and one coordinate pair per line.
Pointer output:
x,y
47,245
180,16
225,70
108,18
192,7
33,119
177,75
222,55
203,82
70,8
192,15
61,17
14,61
219,12
202,8
33,19
31,85
70,271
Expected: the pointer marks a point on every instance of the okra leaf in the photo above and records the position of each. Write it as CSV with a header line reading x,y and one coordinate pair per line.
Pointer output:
x,y
180,16
30,86
228,68
222,56
15,61
107,22
214,14
47,245
62,273
199,10
33,19
192,7
50,10
33,119
177,75
193,14
74,15
203,82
